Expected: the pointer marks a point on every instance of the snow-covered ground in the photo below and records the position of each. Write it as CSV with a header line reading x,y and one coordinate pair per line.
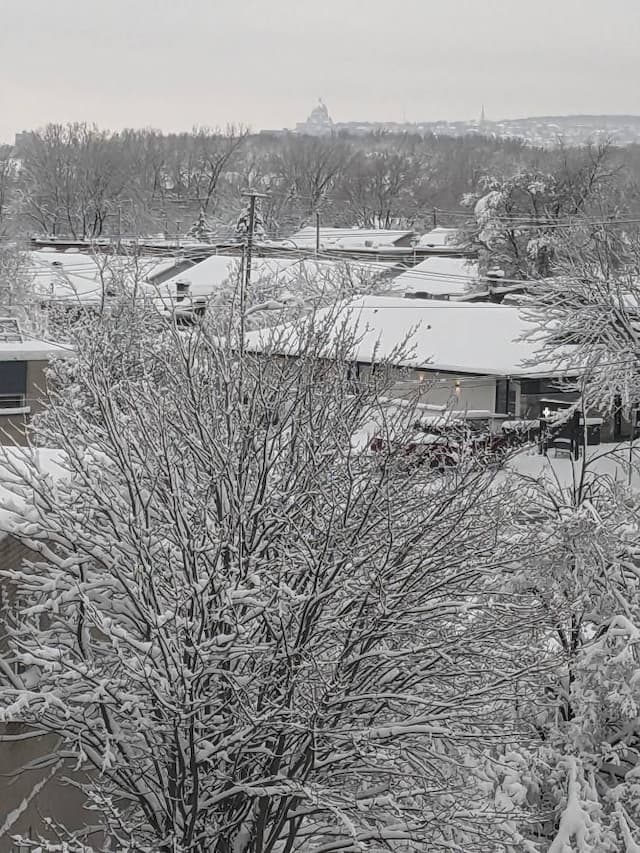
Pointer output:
x,y
617,461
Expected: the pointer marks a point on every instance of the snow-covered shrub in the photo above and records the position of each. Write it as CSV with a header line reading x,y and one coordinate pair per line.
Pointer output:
x,y
251,635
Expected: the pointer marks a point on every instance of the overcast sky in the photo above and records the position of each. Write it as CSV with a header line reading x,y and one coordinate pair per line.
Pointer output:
x,y
172,64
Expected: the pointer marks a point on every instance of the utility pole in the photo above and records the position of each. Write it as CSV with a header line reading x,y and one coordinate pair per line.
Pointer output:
x,y
252,195
435,217
633,420
317,233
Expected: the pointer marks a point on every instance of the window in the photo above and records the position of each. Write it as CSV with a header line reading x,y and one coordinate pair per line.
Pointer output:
x,y
13,384
505,397
544,386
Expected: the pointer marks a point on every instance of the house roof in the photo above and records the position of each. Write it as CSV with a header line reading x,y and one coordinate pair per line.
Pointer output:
x,y
449,337
349,238
208,276
59,275
439,237
438,276
31,349
77,277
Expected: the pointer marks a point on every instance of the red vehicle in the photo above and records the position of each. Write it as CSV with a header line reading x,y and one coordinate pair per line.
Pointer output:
x,y
419,449
442,446
494,444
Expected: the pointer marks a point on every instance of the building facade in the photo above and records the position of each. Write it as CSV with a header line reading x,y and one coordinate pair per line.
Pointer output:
x,y
23,385
33,778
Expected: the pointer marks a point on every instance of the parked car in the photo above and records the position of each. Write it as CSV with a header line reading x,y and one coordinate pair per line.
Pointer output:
x,y
417,450
439,443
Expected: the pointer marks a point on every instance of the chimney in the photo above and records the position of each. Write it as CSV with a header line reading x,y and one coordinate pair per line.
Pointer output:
x,y
182,290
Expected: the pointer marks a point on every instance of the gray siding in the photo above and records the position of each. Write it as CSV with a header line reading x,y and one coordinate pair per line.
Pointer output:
x,y
55,799
13,428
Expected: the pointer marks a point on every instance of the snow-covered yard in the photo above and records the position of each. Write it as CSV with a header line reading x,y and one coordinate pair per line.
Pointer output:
x,y
620,462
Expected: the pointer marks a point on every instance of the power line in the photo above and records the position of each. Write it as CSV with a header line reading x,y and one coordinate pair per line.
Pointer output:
x,y
81,271
516,223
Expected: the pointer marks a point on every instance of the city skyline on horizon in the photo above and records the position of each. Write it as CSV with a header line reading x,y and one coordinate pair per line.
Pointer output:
x,y
478,119
159,64
484,115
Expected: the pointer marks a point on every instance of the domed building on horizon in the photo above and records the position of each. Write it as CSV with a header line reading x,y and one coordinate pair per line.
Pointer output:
x,y
319,122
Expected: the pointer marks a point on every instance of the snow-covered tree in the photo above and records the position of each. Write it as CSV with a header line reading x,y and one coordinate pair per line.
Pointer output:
x,y
383,187
583,540
252,634
8,178
17,292
513,227
201,159
243,223
519,221
589,314
201,229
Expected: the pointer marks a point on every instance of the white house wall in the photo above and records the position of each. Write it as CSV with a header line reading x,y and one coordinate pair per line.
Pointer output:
x,y
459,393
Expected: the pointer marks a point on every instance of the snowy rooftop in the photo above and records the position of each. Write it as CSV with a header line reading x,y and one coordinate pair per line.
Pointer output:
x,y
78,277
348,238
31,349
208,276
443,336
438,277
437,238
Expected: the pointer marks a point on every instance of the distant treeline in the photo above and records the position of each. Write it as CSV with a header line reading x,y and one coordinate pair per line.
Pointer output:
x,y
78,181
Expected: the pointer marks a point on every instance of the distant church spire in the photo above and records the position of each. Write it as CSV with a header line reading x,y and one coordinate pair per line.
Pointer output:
x,y
482,116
